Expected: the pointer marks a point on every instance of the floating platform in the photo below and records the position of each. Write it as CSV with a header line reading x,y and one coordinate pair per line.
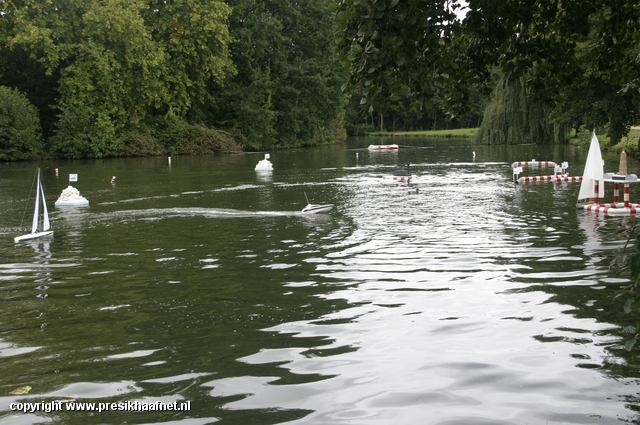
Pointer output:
x,y
264,165
70,197
84,203
382,147
618,208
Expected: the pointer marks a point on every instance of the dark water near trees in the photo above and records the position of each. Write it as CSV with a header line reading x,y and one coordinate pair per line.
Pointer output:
x,y
474,302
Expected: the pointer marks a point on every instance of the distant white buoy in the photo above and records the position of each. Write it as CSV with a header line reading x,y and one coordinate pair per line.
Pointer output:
x,y
169,160
113,179
56,171
265,164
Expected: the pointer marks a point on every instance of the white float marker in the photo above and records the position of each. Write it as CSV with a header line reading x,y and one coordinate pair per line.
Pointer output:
x,y
516,172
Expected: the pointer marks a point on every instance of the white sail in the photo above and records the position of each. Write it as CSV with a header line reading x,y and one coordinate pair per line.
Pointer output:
x,y
35,232
36,209
45,213
593,169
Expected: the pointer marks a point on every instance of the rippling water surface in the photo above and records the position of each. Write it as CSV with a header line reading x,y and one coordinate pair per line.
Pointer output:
x,y
474,301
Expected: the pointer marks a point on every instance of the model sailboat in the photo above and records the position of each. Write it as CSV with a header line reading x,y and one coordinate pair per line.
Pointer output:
x,y
40,225
593,170
315,208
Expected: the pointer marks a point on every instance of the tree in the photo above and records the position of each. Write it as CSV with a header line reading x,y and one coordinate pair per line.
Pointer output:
x,y
287,90
390,43
512,117
434,56
117,63
20,136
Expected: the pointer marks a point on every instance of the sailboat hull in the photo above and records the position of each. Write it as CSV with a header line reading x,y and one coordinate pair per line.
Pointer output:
x,y
33,236
314,209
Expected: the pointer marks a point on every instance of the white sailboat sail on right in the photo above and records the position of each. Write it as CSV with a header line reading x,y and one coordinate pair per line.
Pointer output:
x,y
593,169
39,227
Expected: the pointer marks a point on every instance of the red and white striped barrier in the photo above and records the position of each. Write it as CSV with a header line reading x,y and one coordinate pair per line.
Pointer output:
x,y
398,178
534,163
554,178
568,178
535,179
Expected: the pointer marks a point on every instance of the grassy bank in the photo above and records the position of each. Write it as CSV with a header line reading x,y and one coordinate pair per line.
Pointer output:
x,y
629,142
459,132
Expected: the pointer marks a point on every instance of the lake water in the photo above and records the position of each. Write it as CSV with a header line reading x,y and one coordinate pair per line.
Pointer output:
x,y
475,301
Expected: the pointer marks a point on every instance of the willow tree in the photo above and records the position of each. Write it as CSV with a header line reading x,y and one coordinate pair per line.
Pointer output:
x,y
513,117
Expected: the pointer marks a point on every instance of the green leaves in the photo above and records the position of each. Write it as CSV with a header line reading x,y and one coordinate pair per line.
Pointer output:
x,y
384,43
118,63
20,136
552,44
288,87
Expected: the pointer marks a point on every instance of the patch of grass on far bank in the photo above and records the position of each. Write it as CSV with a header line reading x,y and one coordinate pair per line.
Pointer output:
x,y
458,132
630,142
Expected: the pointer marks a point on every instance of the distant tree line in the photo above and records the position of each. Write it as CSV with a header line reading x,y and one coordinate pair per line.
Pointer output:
x,y
90,79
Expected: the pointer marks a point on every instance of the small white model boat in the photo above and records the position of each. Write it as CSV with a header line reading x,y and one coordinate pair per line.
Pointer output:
x,y
382,147
316,208
39,227
313,209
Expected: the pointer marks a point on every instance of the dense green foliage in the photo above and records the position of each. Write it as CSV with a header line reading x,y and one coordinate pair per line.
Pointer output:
x,y
513,117
389,44
578,57
398,114
20,136
287,90
115,77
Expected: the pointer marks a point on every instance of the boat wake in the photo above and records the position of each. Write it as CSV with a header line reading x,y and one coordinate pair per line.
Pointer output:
x,y
162,213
